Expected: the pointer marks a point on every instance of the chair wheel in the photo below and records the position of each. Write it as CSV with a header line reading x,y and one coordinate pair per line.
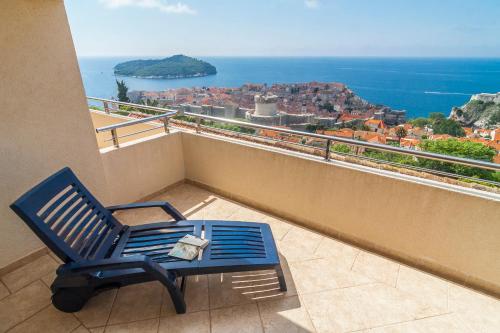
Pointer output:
x,y
71,299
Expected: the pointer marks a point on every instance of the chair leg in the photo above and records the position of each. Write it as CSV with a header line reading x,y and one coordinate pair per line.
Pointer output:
x,y
177,299
183,284
281,278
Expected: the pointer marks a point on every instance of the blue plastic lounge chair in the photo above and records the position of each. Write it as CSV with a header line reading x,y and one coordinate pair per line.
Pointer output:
x,y
101,253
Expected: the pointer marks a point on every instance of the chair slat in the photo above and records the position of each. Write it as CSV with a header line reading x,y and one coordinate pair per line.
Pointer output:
x,y
236,242
238,251
57,203
144,250
236,234
239,246
233,256
67,217
235,228
157,237
91,216
156,231
79,243
92,238
152,243
63,210
67,220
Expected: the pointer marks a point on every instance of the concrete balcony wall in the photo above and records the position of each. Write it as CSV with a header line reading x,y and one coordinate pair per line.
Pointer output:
x,y
125,134
142,167
440,229
45,124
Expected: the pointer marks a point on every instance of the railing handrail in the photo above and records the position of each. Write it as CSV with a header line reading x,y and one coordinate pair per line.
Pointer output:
x,y
328,138
145,107
377,146
170,114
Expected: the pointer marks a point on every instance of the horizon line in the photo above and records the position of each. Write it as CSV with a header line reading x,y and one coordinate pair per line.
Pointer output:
x,y
291,56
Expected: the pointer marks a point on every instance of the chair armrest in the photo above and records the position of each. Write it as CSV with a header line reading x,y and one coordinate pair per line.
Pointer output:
x,y
168,208
138,261
92,266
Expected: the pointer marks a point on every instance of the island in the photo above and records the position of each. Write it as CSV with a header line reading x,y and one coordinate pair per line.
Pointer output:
x,y
175,67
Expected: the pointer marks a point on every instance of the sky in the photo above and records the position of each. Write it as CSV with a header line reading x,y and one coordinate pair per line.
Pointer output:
x,y
395,28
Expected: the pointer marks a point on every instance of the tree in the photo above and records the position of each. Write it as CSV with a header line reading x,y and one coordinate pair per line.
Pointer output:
x,y
448,126
329,106
149,102
494,118
122,91
436,116
313,128
364,127
420,122
401,132
466,149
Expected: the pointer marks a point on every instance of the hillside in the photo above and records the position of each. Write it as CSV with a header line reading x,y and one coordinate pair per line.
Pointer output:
x,y
478,112
175,67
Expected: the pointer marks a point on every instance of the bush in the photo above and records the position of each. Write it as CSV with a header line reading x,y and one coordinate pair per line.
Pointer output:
x,y
465,149
98,108
341,148
454,147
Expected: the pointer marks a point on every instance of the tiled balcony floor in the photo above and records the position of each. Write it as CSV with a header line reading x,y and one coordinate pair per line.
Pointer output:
x,y
333,287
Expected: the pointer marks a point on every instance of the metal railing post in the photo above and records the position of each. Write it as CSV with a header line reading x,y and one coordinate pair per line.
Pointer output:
x,y
165,125
106,107
198,124
114,136
327,151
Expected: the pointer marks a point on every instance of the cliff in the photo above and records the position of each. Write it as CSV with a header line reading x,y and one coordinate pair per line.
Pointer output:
x,y
483,110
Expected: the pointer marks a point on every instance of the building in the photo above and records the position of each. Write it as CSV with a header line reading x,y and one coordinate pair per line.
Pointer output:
x,y
484,97
390,117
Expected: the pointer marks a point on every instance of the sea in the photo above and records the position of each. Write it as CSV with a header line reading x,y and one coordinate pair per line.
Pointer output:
x,y
418,85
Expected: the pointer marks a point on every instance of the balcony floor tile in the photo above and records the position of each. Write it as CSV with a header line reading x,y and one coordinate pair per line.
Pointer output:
x,y
332,287
33,271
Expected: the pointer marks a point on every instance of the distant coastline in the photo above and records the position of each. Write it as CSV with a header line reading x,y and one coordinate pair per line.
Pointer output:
x,y
168,77
400,83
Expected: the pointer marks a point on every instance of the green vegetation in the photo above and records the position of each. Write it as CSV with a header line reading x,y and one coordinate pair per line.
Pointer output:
x,y
341,148
177,66
98,108
328,107
122,113
447,126
420,122
466,149
401,132
222,126
494,118
122,91
454,147
440,124
149,102
312,128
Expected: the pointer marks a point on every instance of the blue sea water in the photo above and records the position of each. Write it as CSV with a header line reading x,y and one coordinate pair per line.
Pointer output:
x,y
417,85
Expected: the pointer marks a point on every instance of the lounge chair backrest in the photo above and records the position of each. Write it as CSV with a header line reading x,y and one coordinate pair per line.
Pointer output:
x,y
67,218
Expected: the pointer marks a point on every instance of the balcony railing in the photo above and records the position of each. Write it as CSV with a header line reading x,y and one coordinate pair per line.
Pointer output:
x,y
166,114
